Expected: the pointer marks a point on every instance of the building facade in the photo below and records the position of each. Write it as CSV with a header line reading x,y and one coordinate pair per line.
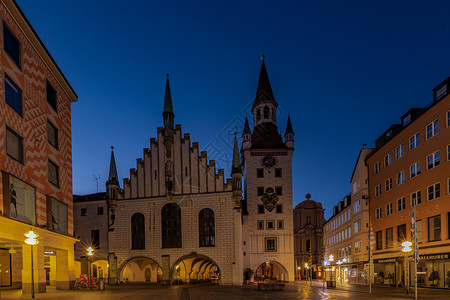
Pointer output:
x,y
268,242
308,237
35,159
411,165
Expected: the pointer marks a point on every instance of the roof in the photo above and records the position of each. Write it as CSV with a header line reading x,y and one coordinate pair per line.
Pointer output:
x,y
266,136
246,127
289,126
264,90
357,160
113,178
89,197
309,204
168,106
236,165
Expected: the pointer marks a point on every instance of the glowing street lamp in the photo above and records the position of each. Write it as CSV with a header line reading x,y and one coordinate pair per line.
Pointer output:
x,y
31,240
331,257
90,252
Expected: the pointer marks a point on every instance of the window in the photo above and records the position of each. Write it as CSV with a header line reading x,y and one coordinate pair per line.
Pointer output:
x,y
171,225
419,231
416,198
401,204
448,118
434,191
356,206
270,225
259,173
266,112
260,190
53,173
271,244
389,237
13,95
401,233
376,167
278,172
387,160
448,152
84,212
357,226
280,224
11,45
379,240
14,145
52,98
99,211
401,177
378,213
378,190
399,151
433,160
260,225
206,228
388,184
414,141
415,169
95,239
357,247
279,209
432,129
448,225
389,209
137,231
52,134
278,190
434,228
260,209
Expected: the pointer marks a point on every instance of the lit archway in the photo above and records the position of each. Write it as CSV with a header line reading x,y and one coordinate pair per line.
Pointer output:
x,y
271,271
193,268
140,270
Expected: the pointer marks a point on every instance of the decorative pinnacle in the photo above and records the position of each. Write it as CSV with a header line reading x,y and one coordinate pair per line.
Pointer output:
x,y
167,74
112,147
263,56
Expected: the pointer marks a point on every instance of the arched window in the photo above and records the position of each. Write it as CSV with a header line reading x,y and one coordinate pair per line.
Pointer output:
x,y
266,112
171,226
138,231
258,114
206,229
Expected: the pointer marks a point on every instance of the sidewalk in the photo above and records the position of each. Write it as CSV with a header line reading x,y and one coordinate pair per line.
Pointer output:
x,y
382,290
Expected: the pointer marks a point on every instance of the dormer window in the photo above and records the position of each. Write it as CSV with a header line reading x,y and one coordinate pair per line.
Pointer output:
x,y
266,112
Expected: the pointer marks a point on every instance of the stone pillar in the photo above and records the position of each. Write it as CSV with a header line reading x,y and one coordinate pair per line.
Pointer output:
x,y
38,268
113,276
53,270
62,270
166,270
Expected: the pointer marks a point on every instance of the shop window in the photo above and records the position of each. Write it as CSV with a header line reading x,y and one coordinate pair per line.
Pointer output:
x,y
138,231
206,228
434,228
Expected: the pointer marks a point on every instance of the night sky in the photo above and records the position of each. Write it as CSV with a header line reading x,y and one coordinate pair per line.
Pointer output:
x,y
344,70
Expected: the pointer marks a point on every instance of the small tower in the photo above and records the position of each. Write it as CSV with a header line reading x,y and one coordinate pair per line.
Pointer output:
x,y
168,114
236,175
112,185
246,135
289,134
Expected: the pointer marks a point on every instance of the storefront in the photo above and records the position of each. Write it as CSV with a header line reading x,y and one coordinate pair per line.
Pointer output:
x,y
433,270
358,273
389,271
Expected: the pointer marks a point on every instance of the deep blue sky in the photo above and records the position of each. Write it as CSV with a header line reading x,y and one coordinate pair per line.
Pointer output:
x,y
345,70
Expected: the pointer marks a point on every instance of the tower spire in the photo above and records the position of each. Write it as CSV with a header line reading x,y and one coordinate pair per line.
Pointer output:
x,y
168,114
264,90
246,126
289,126
236,165
113,179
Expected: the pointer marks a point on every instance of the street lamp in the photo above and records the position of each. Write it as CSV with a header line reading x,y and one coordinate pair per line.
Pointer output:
x,y
31,240
406,249
90,253
331,257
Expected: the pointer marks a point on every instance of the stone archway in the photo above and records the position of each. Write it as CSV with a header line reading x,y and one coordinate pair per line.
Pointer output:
x,y
140,270
271,270
193,268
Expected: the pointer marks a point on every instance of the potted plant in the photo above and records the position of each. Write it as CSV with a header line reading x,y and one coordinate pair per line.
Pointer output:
x,y
247,275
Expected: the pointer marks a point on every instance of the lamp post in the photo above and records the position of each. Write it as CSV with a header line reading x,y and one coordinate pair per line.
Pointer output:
x,y
310,274
90,253
406,249
31,240
298,272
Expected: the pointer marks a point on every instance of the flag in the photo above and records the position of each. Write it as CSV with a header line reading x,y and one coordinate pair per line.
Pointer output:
x,y
414,238
371,243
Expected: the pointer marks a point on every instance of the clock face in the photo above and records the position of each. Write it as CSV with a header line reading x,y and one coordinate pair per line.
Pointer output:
x,y
269,161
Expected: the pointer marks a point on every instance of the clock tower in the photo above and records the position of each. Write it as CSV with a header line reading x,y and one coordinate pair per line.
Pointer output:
x,y
268,242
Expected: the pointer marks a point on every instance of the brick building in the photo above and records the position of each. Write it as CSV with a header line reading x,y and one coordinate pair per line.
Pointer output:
x,y
411,165
35,159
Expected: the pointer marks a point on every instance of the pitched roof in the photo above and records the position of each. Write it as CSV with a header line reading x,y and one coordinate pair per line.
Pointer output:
x,y
113,178
266,136
168,106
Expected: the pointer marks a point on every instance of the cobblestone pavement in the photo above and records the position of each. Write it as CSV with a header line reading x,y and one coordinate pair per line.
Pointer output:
x,y
297,290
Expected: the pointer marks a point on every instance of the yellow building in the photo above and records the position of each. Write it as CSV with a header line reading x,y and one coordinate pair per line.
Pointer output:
x,y
35,160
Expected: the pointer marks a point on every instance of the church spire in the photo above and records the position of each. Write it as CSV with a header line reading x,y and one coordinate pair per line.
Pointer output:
x,y
246,126
168,114
289,126
113,179
264,90
236,164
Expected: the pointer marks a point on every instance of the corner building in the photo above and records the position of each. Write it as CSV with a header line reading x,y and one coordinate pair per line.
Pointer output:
x,y
411,166
35,160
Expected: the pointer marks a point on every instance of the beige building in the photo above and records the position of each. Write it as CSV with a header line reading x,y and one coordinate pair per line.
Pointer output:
x,y
35,160
411,165
308,237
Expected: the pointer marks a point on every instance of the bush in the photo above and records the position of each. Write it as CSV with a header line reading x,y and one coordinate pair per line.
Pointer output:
x,y
248,273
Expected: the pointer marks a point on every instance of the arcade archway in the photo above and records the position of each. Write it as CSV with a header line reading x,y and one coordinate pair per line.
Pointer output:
x,y
193,268
141,270
271,271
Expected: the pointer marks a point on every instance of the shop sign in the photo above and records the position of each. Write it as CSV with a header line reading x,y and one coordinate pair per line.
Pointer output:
x,y
434,256
385,260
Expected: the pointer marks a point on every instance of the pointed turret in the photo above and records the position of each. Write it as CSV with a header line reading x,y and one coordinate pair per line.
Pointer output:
x,y
289,126
289,134
168,114
113,180
236,164
246,134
